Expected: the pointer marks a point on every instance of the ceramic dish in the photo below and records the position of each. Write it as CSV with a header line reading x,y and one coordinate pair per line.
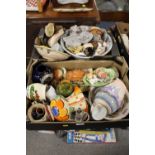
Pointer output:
x,y
49,54
105,39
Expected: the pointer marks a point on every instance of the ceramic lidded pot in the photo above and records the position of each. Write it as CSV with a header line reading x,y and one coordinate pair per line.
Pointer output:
x,y
108,99
42,74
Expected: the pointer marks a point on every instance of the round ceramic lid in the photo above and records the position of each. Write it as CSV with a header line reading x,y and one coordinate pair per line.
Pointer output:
x,y
98,112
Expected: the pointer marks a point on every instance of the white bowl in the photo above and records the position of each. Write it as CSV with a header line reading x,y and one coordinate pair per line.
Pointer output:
x,y
109,47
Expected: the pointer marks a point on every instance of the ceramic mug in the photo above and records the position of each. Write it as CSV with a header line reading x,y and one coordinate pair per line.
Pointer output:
x,y
36,92
81,116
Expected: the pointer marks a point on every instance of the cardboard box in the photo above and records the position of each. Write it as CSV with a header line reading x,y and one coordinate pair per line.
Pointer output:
x,y
119,63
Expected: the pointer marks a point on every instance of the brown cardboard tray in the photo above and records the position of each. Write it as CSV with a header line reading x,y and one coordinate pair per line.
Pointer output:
x,y
119,63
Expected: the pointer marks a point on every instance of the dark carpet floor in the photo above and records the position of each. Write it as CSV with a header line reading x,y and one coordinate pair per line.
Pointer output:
x,y
50,144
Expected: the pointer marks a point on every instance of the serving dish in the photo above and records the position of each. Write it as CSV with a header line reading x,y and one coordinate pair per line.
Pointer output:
x,y
78,39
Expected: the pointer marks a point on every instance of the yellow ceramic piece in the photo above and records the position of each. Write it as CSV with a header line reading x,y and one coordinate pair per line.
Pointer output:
x,y
63,112
53,103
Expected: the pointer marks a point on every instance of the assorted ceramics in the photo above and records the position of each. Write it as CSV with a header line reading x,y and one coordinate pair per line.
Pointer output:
x,y
47,43
72,1
64,93
107,100
84,42
100,76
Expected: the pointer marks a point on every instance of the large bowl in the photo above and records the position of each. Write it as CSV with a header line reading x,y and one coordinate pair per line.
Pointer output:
x,y
118,115
49,54
106,36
